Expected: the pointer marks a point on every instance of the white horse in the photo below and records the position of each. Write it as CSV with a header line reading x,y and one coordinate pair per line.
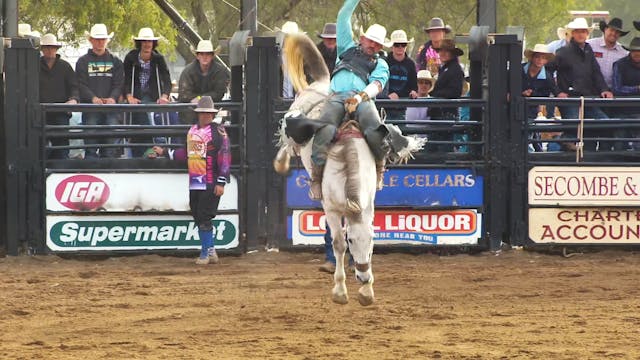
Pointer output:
x,y
349,181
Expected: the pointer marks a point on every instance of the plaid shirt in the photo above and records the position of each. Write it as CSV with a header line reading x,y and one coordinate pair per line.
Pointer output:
x,y
145,74
606,57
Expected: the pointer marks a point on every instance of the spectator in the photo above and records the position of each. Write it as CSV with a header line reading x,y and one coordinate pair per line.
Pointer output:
x,y
564,35
100,80
428,58
607,49
626,82
537,81
402,73
578,74
58,84
146,81
425,85
209,162
328,47
448,86
203,77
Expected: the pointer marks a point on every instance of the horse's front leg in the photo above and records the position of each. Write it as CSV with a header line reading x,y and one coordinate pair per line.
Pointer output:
x,y
334,221
361,247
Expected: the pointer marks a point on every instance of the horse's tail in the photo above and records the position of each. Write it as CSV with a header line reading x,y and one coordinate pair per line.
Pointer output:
x,y
301,54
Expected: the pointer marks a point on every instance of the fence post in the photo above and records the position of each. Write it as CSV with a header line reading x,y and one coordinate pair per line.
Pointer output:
x,y
262,197
504,57
23,171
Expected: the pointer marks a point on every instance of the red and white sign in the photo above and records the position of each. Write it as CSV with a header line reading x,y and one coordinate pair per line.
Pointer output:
x,y
398,227
585,225
82,192
583,185
126,192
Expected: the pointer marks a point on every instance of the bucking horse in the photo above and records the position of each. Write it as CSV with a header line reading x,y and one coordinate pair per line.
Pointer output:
x,y
349,182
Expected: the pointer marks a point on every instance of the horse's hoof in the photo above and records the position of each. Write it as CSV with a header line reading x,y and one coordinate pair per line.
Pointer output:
x,y
365,300
341,299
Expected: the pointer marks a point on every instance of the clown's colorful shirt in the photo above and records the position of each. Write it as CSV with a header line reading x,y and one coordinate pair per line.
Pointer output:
x,y
208,156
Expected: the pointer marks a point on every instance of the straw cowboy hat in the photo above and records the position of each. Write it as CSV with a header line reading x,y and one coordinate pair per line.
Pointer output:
x,y
25,30
399,37
99,31
205,104
563,32
437,23
205,46
426,75
146,34
579,24
328,31
634,45
377,33
540,49
450,45
49,40
291,28
615,24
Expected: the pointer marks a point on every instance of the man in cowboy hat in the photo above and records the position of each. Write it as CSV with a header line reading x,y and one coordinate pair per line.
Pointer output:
x,y
358,77
607,49
626,82
209,164
100,79
428,58
578,74
402,69
203,77
328,47
58,84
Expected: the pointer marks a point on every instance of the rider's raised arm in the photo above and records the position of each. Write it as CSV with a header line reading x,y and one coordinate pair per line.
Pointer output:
x,y
344,33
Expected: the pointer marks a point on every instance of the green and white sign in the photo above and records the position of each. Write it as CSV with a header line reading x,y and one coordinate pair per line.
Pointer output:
x,y
127,232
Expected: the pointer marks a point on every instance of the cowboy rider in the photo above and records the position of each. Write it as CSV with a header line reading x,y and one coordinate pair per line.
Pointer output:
x,y
357,78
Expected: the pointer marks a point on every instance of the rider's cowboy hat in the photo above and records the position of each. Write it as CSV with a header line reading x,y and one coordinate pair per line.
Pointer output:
x,y
205,104
615,24
328,31
99,31
399,37
49,40
437,23
377,33
426,75
540,49
146,34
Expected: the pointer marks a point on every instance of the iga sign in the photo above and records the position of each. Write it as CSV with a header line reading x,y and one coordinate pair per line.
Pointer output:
x,y
127,192
450,227
585,225
73,233
406,188
583,185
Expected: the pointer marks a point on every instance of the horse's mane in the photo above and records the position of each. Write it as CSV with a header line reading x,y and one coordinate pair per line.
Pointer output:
x,y
303,58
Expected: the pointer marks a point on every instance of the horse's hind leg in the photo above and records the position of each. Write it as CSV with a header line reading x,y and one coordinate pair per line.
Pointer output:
x,y
340,295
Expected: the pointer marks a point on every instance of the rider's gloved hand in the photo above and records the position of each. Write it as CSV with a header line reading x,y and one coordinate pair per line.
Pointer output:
x,y
351,104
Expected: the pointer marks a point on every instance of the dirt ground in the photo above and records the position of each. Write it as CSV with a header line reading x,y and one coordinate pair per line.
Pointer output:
x,y
513,305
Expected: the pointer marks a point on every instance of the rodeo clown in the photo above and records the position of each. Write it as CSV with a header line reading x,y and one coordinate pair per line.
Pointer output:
x,y
209,162
357,78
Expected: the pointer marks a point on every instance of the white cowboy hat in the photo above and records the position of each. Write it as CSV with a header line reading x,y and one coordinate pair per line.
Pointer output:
x,y
399,37
562,32
49,40
205,46
290,27
579,24
541,49
99,31
377,33
25,30
146,34
205,104
426,75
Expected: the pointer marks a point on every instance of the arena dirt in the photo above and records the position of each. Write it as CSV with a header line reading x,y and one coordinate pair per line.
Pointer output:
x,y
515,305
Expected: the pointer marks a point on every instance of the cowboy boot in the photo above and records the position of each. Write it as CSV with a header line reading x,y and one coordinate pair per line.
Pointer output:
x,y
380,173
315,189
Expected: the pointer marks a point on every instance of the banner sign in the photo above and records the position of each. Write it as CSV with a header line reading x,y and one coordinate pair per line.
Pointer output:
x,y
142,232
446,227
127,192
406,187
583,185
585,225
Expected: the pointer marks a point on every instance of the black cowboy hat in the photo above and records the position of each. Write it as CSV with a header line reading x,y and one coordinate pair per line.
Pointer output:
x,y
634,45
636,24
450,45
615,24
